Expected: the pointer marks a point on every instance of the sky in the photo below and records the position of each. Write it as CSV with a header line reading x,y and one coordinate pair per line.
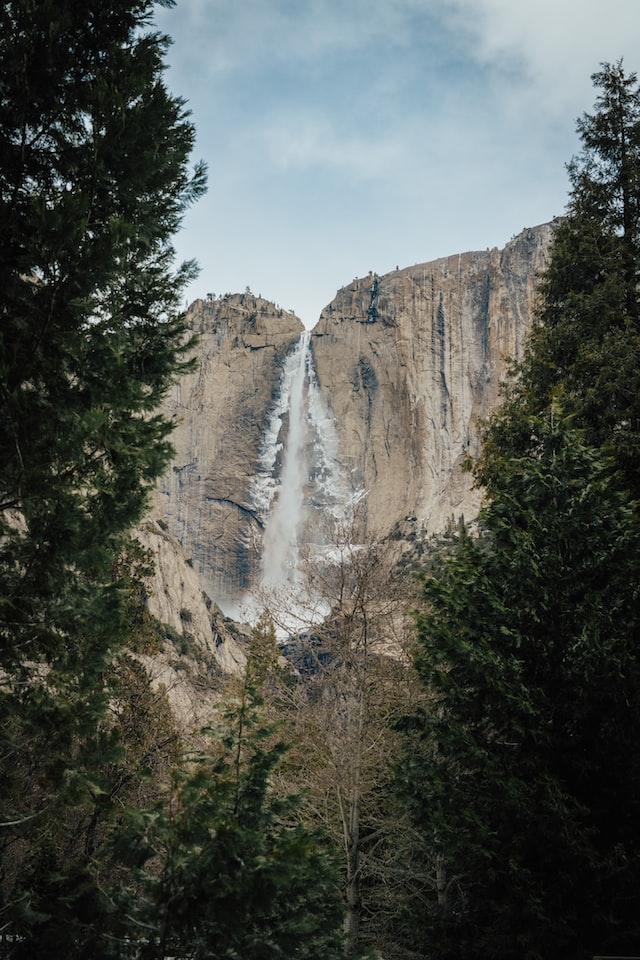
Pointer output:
x,y
348,136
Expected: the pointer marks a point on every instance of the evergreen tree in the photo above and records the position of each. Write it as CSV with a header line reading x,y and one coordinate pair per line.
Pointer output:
x,y
226,869
585,345
524,776
94,180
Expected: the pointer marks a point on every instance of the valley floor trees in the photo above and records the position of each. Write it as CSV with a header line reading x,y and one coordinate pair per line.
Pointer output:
x,y
226,868
354,681
524,778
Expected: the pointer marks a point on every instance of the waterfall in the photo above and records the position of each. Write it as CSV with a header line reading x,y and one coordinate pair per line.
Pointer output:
x,y
285,518
300,486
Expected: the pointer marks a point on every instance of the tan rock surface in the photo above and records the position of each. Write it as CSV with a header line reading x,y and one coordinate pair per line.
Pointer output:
x,y
406,364
409,361
220,411
199,648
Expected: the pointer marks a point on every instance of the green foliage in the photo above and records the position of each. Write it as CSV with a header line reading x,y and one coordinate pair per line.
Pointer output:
x,y
585,348
525,774
91,333
266,669
55,873
94,180
225,869
131,572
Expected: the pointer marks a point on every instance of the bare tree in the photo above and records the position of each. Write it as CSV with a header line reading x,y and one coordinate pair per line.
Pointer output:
x,y
355,679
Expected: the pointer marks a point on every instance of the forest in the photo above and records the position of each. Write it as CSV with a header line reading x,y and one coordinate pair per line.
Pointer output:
x,y
448,765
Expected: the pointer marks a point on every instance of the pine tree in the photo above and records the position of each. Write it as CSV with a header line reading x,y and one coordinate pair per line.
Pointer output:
x,y
226,869
94,180
585,346
524,775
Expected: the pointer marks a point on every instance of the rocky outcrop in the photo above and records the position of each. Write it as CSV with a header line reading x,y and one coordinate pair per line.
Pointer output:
x,y
220,411
409,362
198,647
405,366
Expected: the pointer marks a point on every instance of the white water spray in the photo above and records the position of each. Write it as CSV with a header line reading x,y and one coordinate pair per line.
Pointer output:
x,y
285,520
300,486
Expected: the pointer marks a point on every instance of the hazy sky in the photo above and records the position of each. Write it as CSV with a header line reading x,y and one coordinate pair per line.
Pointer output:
x,y
344,136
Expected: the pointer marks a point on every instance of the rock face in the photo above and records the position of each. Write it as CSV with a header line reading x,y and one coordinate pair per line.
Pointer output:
x,y
177,600
198,648
409,361
220,411
402,366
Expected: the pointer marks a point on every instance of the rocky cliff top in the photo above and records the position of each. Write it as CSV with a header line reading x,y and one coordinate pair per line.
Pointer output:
x,y
403,366
244,319
410,361
387,297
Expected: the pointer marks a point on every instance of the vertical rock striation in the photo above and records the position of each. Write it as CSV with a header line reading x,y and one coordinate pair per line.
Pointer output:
x,y
408,363
221,410
405,366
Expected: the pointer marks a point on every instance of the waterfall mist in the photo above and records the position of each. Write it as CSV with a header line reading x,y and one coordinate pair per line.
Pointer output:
x,y
300,489
284,521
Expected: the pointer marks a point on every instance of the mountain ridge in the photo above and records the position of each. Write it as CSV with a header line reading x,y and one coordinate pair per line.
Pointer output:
x,y
406,365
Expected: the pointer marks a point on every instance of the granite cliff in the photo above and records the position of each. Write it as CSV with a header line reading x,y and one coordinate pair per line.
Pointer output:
x,y
390,385
411,360
198,646
220,410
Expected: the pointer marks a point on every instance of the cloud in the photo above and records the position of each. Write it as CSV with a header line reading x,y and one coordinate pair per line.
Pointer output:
x,y
296,141
345,135
552,44
232,38
551,47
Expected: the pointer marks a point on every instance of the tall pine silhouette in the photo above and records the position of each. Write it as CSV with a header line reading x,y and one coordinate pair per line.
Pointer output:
x,y
524,776
94,180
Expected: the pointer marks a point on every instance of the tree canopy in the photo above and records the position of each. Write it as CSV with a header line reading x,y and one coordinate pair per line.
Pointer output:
x,y
94,179
585,345
225,869
529,788
524,774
